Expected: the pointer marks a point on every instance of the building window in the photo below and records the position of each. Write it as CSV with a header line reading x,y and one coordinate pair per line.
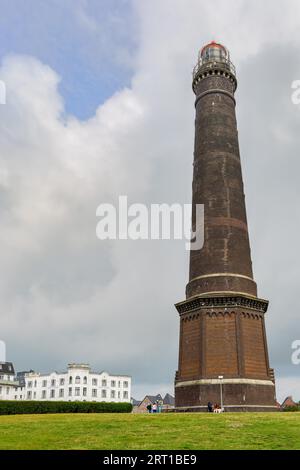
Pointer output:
x,y
119,394
119,384
34,395
113,394
125,384
113,383
7,390
28,395
77,391
104,383
44,383
0,389
44,394
35,383
125,394
103,393
1,377
52,393
53,383
62,382
29,384
95,382
85,380
77,379
84,391
70,379
94,392
61,392
70,391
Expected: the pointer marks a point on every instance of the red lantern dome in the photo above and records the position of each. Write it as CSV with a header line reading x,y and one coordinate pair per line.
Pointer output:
x,y
214,51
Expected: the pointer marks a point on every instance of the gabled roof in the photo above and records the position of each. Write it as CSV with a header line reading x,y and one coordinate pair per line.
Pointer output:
x,y
153,398
169,400
7,368
289,402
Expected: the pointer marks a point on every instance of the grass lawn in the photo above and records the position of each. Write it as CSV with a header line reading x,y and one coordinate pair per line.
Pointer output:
x,y
162,431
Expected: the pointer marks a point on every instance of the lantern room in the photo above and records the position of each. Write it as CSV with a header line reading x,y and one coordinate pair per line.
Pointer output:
x,y
214,52
213,59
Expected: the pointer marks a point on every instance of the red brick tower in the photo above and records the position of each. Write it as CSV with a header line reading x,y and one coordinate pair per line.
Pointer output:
x,y
223,355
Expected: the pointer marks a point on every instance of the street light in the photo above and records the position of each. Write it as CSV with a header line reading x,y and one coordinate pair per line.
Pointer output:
x,y
221,391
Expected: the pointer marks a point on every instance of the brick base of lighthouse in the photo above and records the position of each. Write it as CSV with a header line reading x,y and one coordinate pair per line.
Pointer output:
x,y
224,336
236,396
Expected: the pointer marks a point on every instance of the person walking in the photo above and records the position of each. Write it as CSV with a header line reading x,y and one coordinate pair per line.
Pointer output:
x,y
154,408
210,407
149,408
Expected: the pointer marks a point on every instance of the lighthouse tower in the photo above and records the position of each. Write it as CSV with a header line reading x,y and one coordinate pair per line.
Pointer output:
x,y
223,355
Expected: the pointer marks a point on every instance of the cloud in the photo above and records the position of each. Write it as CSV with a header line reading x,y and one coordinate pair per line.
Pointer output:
x,y
91,44
66,296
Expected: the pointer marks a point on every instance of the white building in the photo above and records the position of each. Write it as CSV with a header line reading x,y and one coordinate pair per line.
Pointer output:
x,y
9,387
79,383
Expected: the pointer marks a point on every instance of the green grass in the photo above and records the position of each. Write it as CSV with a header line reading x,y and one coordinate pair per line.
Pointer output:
x,y
162,431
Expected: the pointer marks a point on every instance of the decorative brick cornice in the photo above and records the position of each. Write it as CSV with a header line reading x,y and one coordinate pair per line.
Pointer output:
x,y
214,68
223,301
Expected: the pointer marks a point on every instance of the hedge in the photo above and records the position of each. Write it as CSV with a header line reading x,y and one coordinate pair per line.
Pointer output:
x,y
40,407
292,408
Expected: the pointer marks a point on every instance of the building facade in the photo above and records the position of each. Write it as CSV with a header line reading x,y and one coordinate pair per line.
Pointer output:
x,y
223,354
9,386
165,404
78,383
147,400
289,403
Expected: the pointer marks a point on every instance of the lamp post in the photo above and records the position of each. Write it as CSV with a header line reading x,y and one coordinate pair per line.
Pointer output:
x,y
221,391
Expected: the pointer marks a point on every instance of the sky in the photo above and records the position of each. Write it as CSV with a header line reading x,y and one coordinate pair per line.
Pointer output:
x,y
99,104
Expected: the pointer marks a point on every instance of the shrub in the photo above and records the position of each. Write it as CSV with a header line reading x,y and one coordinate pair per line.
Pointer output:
x,y
291,408
10,407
